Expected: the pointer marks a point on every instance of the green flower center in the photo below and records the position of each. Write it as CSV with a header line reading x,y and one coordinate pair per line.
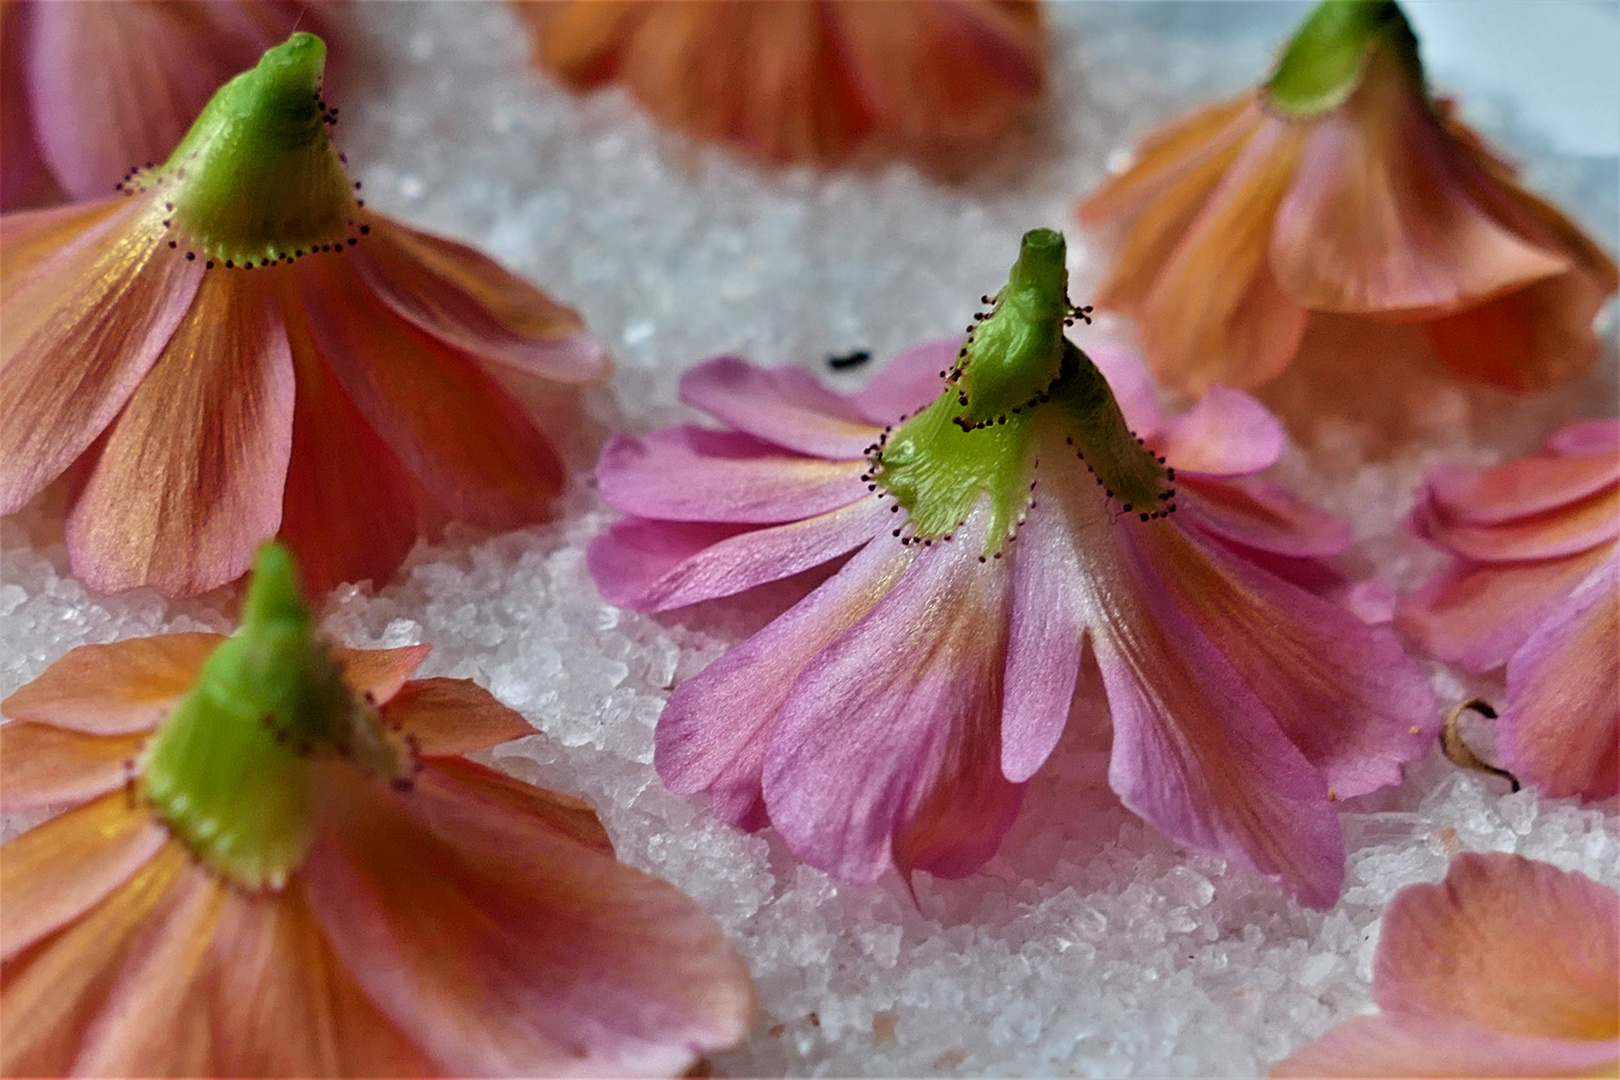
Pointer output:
x,y
230,769
1327,56
1017,384
257,179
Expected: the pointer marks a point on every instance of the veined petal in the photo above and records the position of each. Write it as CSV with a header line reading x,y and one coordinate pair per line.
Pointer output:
x,y
467,300
1562,531
1044,641
1378,219
693,474
713,733
452,716
512,950
31,238
378,674
1528,340
908,382
1169,152
1403,1046
783,406
460,434
117,689
1561,729
54,990
1529,485
1247,327
55,872
188,480
43,765
560,815
1228,433
1507,943
887,750
1261,517
658,566
80,334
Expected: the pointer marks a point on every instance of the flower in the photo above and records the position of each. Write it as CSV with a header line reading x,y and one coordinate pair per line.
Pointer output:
x,y
275,861
809,80
1335,198
90,89
1509,967
1534,587
238,348
891,718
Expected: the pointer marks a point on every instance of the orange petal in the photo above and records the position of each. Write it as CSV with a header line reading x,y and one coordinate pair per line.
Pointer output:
x,y
1406,1046
564,815
52,991
1506,943
349,509
189,478
1379,220
1216,313
116,689
43,765
511,949
461,436
1527,341
80,334
1522,487
57,871
582,44
453,716
1169,153
378,674
467,300
30,238
1561,531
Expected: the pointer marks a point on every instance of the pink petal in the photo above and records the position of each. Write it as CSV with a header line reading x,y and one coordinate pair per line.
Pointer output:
x,y
908,382
24,180
1566,530
1261,517
1404,1046
506,950
1505,943
1228,433
1587,438
1561,729
43,765
81,334
1133,387
784,406
658,566
119,689
1521,488
713,733
887,750
188,480
692,474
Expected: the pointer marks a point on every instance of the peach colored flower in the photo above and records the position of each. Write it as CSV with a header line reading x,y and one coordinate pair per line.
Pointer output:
x,y
809,80
1509,967
273,860
89,90
1536,587
1339,188
238,349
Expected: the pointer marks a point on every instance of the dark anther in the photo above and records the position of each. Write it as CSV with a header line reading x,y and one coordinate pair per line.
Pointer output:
x,y
209,265
1144,516
191,256
173,244
365,230
229,265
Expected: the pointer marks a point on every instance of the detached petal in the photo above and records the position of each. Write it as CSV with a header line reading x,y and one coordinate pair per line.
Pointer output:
x,y
1405,1046
117,689
783,406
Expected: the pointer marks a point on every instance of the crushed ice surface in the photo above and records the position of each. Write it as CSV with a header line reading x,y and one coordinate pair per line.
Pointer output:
x,y
1090,945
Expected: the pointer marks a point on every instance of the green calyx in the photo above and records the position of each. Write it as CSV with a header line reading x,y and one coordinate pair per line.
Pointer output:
x,y
1326,58
1016,385
257,178
230,769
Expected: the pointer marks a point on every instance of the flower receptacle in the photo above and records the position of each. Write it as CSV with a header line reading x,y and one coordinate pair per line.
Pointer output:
x,y
1324,61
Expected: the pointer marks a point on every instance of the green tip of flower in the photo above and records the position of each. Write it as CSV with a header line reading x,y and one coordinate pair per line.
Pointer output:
x,y
257,178
229,770
1323,63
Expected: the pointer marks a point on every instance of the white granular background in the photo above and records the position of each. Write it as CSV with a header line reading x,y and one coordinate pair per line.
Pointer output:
x,y
1090,945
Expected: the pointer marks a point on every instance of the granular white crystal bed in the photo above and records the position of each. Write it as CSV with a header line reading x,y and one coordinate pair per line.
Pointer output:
x,y
1090,945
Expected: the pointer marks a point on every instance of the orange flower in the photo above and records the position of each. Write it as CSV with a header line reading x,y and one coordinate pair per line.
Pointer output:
x,y
274,861
1339,188
808,80
237,349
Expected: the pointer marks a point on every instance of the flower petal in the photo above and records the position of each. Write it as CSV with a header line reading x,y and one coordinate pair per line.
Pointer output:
x,y
188,480
908,382
551,811
116,689
887,750
783,406
1133,388
1044,641
1261,517
1405,1046
457,431
31,238
713,733
1587,438
1228,433
1561,728
1507,943
55,872
378,674
54,990
1528,485
504,949
1565,530
453,716
470,302
81,333
1528,340
659,566
42,765
692,474
1170,152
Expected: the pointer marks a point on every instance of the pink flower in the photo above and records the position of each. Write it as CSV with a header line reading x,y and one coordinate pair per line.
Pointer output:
x,y
89,91
1535,588
1509,967
891,718
272,859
